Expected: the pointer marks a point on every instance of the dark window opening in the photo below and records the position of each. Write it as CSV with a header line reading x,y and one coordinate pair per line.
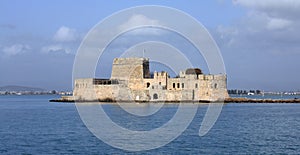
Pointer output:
x,y
173,85
182,85
196,85
178,85
104,82
148,84
155,96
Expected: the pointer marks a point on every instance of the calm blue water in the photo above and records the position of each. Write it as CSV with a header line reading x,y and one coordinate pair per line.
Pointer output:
x,y
32,125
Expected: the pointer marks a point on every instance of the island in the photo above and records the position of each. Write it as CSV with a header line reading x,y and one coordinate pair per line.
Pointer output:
x,y
131,81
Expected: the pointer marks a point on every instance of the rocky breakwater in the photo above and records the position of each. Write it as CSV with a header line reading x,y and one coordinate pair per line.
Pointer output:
x,y
227,100
247,100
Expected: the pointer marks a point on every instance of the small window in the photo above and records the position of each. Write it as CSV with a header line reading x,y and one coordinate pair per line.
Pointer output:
x,y
178,85
173,85
216,85
155,96
182,85
148,84
196,85
159,83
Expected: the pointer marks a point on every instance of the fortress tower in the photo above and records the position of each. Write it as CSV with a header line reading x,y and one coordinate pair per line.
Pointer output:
x,y
131,81
128,68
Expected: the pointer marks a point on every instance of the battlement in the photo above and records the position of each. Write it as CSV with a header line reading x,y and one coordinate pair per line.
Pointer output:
x,y
160,74
130,61
130,80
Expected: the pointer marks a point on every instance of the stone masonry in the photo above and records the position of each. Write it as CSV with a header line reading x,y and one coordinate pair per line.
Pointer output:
x,y
131,81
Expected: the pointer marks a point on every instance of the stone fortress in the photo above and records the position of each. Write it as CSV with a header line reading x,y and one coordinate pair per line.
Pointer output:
x,y
131,81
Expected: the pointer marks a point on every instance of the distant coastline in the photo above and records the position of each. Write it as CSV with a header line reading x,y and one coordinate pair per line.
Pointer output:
x,y
261,92
25,90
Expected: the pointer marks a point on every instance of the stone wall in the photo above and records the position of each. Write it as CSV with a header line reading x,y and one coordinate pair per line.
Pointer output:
x,y
123,68
84,89
131,84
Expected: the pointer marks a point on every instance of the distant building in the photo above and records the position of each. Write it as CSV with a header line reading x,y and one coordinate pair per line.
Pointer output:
x,y
130,80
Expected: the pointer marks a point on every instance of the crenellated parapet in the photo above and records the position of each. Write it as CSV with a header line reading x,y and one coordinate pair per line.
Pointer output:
x,y
131,81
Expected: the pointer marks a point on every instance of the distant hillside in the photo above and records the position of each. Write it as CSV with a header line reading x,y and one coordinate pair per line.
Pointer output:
x,y
19,88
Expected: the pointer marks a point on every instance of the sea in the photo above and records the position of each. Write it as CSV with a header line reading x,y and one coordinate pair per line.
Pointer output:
x,y
33,125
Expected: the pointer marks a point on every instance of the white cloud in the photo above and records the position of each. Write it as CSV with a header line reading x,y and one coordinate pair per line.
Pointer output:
x,y
275,24
15,49
137,20
286,9
56,48
64,40
228,34
269,25
65,34
268,4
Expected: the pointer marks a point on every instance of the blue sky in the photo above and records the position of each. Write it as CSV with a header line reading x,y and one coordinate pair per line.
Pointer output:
x,y
259,40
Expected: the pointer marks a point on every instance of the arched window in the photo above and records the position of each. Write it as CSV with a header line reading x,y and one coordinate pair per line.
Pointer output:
x,y
216,85
155,96
148,84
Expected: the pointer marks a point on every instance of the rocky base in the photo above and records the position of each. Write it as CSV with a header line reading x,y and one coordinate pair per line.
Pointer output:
x,y
247,100
227,100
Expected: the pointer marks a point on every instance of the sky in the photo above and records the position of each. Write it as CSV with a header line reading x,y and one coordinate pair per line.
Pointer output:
x,y
258,39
